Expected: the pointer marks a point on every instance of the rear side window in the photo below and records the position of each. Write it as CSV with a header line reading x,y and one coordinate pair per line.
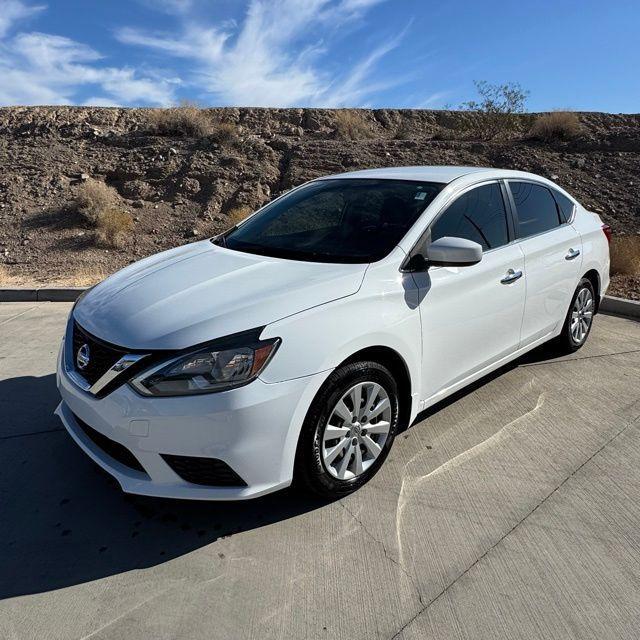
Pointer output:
x,y
564,205
477,215
536,208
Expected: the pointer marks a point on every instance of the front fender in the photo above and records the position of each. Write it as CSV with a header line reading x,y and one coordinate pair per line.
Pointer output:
x,y
383,313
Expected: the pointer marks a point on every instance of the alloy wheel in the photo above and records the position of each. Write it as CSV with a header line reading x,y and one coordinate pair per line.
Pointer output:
x,y
356,431
581,315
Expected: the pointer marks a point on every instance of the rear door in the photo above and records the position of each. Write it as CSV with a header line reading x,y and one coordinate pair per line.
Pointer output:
x,y
552,256
471,316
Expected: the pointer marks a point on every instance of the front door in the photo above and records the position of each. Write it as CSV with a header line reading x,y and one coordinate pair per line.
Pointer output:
x,y
471,316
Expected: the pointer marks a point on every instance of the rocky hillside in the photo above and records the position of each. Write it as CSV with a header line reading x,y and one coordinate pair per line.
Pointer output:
x,y
180,184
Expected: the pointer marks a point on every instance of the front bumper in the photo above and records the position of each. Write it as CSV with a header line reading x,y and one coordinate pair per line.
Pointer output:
x,y
253,429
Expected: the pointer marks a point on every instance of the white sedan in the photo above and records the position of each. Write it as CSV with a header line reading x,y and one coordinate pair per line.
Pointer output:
x,y
293,347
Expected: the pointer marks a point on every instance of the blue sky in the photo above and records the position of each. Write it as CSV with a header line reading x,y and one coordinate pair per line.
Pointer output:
x,y
580,54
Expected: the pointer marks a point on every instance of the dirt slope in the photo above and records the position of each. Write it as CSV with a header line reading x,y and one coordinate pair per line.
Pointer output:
x,y
182,188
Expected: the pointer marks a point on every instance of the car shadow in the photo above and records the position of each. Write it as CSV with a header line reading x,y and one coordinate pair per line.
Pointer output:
x,y
64,521
543,353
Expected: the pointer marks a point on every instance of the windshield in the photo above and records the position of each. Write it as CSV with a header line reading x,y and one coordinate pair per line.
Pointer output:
x,y
340,220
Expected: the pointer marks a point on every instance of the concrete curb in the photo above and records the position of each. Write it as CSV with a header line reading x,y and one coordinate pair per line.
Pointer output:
x,y
620,307
610,305
43,294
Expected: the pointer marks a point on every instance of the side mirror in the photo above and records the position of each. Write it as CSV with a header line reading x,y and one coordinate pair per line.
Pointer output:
x,y
453,252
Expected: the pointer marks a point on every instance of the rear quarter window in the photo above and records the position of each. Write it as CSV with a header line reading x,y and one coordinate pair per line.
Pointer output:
x,y
565,205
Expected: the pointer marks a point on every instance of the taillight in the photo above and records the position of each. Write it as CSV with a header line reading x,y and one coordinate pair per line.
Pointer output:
x,y
607,232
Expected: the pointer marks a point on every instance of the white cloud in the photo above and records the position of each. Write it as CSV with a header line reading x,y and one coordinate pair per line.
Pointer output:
x,y
96,101
11,11
55,54
349,9
41,68
202,43
259,68
356,86
435,99
359,5
170,6
275,56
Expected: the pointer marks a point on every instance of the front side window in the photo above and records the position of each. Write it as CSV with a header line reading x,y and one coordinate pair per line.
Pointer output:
x,y
340,220
536,208
478,215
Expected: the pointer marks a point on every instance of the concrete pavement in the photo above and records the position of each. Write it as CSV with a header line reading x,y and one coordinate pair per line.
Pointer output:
x,y
510,511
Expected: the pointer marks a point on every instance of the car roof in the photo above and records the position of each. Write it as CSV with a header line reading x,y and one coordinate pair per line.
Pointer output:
x,y
442,174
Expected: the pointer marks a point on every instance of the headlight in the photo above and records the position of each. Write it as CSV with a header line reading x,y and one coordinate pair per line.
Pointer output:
x,y
207,370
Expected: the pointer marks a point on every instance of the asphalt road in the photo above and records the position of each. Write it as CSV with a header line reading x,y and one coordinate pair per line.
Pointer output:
x,y
511,511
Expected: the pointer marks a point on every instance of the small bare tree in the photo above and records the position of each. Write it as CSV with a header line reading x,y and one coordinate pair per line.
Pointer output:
x,y
497,107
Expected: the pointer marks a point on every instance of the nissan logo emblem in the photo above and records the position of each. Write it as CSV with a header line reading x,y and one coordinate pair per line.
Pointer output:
x,y
82,357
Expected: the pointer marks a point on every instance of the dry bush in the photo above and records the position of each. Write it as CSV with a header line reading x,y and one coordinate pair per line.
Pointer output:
x,y
557,125
625,255
446,133
112,227
351,125
87,277
238,214
404,131
93,198
98,203
7,279
225,134
188,119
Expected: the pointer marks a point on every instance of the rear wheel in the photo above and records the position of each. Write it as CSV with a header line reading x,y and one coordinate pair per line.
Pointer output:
x,y
348,430
577,324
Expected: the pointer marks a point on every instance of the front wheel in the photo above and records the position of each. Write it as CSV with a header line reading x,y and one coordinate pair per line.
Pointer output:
x,y
577,324
348,430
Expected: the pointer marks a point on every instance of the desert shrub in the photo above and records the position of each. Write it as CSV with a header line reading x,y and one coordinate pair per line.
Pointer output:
x,y
557,125
93,198
7,279
225,133
238,214
625,255
98,204
404,131
351,125
497,108
87,276
187,119
448,133
113,226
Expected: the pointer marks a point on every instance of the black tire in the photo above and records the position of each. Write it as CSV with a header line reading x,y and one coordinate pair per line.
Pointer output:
x,y
566,342
310,470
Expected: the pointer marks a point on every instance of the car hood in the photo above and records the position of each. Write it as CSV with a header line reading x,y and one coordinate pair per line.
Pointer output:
x,y
200,292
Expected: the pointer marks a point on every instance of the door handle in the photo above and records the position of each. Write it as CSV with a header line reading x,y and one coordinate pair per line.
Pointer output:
x,y
573,253
511,276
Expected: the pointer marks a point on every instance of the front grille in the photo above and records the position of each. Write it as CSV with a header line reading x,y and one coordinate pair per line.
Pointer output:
x,y
114,449
102,356
205,471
